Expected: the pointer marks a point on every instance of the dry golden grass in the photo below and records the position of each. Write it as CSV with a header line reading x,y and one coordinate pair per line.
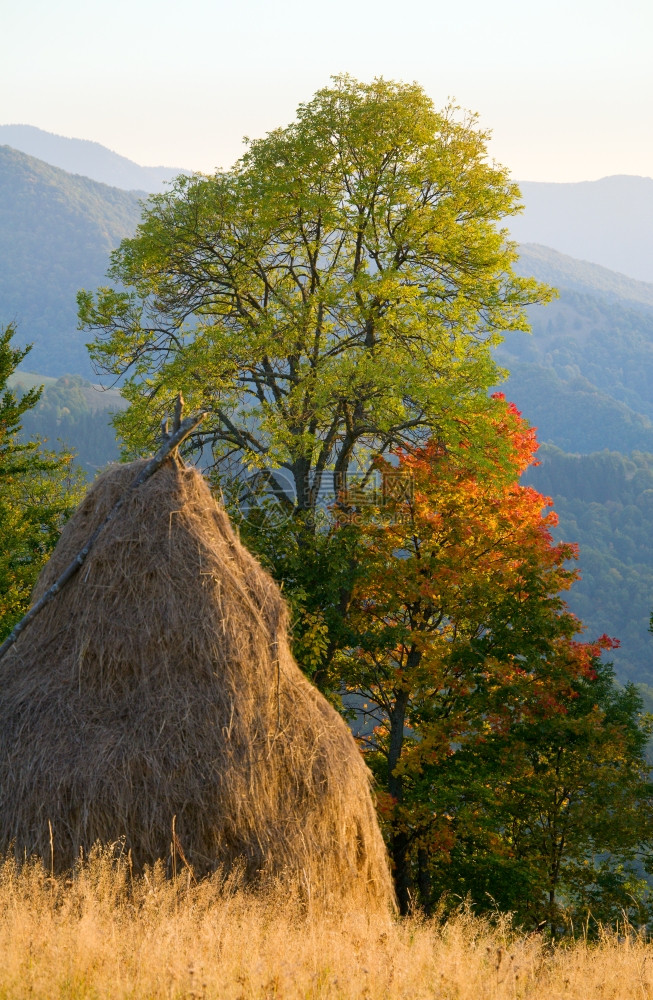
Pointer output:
x,y
104,934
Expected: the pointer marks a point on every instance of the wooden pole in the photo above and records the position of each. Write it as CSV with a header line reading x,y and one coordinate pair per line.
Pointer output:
x,y
183,430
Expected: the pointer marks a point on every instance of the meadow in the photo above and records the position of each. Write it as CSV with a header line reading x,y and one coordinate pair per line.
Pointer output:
x,y
103,932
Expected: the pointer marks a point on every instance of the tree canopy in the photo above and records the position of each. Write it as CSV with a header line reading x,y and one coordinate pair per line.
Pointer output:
x,y
332,296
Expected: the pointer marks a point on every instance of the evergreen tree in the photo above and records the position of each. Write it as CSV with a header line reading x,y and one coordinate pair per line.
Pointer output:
x,y
38,490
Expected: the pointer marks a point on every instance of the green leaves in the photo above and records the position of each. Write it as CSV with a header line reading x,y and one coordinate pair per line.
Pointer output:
x,y
334,295
571,804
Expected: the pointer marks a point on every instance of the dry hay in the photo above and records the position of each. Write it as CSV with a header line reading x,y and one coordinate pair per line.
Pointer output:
x,y
160,683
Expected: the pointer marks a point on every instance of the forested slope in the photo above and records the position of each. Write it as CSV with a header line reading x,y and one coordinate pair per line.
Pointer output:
x,y
56,233
72,413
584,376
604,502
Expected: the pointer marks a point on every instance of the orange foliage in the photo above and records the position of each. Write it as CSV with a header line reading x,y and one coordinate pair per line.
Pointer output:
x,y
459,627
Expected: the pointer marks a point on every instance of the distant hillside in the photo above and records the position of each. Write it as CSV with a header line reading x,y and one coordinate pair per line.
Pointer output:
x,y
608,222
72,413
604,503
560,270
585,376
56,233
79,156
572,413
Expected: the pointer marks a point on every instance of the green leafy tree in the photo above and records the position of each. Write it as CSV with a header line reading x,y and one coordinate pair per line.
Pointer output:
x,y
552,820
38,489
333,295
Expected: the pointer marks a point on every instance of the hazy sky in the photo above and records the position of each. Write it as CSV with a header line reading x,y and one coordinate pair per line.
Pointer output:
x,y
565,86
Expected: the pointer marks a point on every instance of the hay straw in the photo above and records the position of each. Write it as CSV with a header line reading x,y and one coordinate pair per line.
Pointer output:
x,y
159,685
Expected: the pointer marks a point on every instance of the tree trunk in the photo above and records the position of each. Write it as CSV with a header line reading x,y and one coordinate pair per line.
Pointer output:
x,y
399,845
399,841
424,881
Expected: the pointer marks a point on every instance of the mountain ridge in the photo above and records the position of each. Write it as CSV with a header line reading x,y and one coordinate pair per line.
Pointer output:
x,y
57,231
562,270
607,221
87,158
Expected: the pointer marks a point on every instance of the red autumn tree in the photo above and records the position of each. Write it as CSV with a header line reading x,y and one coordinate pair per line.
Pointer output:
x,y
457,627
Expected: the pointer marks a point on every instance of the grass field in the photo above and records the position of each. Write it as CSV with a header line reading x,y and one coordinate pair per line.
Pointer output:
x,y
104,934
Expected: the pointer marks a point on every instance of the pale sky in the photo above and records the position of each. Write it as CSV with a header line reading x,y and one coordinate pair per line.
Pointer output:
x,y
566,86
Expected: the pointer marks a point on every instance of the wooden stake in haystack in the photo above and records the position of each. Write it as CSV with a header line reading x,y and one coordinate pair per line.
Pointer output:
x,y
158,682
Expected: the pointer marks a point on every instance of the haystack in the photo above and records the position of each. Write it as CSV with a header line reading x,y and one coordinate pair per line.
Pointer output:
x,y
159,683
